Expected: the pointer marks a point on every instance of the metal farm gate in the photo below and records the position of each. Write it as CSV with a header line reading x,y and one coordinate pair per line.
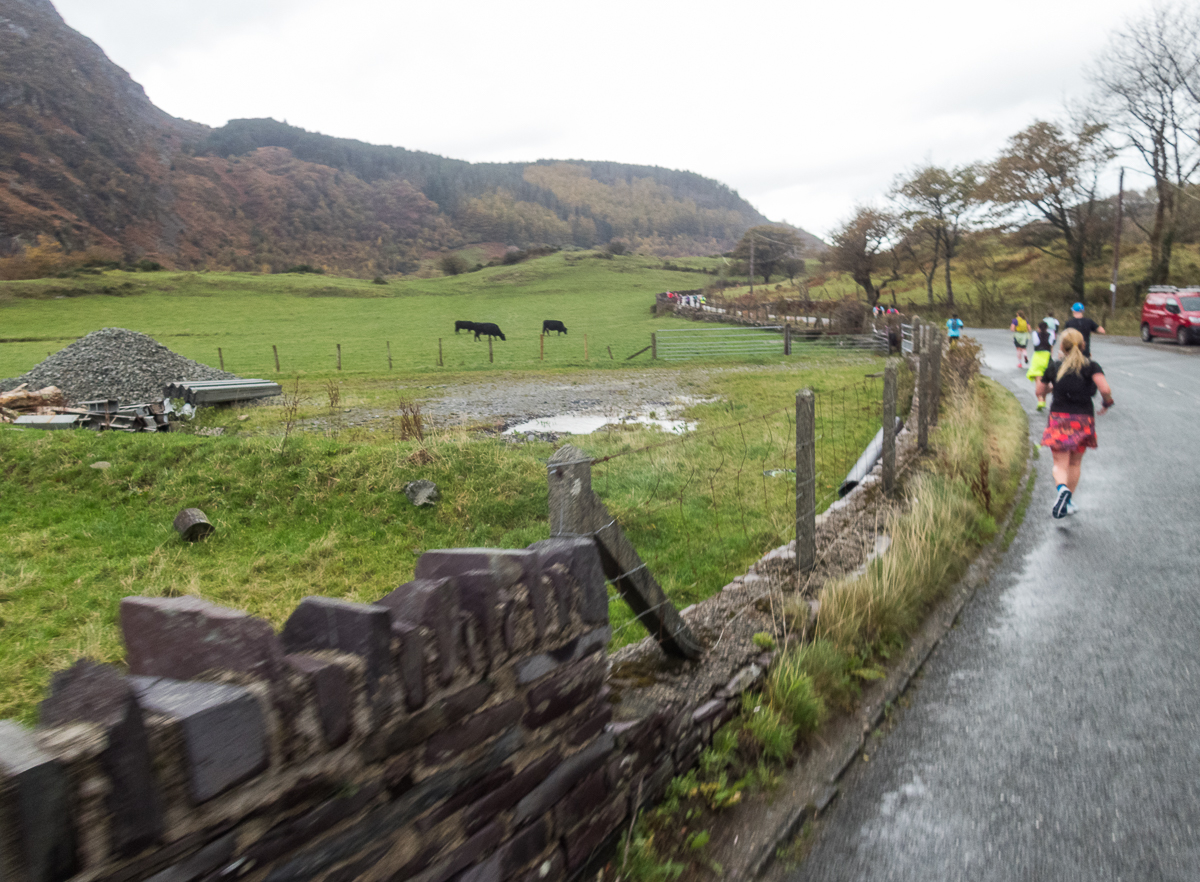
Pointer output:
x,y
713,342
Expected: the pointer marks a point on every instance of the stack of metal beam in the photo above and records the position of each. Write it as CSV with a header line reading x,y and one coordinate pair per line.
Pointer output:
x,y
101,415
201,392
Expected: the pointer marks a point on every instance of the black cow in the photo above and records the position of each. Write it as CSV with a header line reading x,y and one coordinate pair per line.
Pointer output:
x,y
551,325
491,330
464,326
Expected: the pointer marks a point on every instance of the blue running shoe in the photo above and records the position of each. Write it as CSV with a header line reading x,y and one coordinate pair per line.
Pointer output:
x,y
1062,502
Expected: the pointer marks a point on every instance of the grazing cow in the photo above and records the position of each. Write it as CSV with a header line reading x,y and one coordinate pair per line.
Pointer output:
x,y
489,329
464,326
551,325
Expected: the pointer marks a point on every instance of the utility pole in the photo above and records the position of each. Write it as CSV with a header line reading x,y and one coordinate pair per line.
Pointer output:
x,y
1117,241
752,264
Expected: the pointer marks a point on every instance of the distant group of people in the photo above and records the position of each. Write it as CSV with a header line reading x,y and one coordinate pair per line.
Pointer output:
x,y
879,309
1073,380
693,301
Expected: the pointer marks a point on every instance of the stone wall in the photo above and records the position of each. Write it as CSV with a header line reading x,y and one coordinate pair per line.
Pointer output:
x,y
459,728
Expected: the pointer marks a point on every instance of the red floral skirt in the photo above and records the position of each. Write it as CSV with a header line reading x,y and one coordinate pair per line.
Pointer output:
x,y
1069,431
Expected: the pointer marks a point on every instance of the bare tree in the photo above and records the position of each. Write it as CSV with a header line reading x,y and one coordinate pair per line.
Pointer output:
x,y
1148,85
766,247
1048,176
919,246
937,203
863,248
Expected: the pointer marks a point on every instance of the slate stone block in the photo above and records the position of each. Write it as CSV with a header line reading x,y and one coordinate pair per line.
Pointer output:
x,y
36,840
551,869
559,782
524,847
587,838
593,725
654,786
296,831
473,731
509,566
583,799
200,864
331,687
409,651
360,629
387,820
586,589
182,637
577,683
465,797
433,605
422,726
707,711
93,693
468,853
537,666
481,594
506,795
222,728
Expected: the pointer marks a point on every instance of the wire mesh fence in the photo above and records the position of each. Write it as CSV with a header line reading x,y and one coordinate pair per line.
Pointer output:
x,y
701,506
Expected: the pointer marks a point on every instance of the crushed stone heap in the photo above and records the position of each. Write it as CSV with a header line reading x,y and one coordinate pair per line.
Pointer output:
x,y
115,363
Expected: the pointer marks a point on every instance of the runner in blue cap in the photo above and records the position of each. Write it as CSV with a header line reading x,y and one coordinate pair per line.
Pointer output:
x,y
1084,326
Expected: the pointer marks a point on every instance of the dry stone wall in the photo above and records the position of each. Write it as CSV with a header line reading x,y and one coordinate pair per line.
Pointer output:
x,y
460,728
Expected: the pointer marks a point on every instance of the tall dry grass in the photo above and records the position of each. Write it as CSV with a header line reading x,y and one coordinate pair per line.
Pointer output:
x,y
953,508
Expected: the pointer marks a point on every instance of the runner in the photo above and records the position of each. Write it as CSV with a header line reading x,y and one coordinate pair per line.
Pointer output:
x,y
1085,326
954,326
1020,329
1052,325
1071,428
1043,345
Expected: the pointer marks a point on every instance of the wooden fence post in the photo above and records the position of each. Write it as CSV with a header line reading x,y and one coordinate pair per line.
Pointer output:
x,y
221,357
787,339
916,335
275,349
541,347
653,346
491,357
339,346
806,481
577,513
935,378
923,395
389,352
585,358
610,355
440,352
889,426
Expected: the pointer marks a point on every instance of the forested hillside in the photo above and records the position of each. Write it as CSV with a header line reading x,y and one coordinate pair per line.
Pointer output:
x,y
88,165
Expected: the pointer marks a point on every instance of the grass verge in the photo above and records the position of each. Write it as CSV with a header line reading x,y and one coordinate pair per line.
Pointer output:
x,y
955,503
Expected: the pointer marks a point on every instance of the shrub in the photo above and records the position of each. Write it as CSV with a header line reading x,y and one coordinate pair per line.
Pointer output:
x,y
963,362
617,247
453,264
146,265
828,669
379,280
305,268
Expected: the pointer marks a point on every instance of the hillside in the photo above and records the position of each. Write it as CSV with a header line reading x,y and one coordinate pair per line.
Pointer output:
x,y
88,162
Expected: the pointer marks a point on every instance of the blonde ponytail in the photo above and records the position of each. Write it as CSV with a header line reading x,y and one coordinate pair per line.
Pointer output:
x,y
1073,360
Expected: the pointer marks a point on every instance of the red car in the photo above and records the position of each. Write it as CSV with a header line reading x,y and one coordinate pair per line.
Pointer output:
x,y
1171,312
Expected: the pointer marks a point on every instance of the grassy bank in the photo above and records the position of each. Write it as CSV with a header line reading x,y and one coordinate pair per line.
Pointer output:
x,y
955,501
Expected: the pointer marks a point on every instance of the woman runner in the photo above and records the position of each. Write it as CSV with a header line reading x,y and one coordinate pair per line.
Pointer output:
x,y
1071,428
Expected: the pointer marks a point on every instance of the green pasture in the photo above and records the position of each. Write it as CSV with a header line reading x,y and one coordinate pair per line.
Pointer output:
x,y
307,316
325,513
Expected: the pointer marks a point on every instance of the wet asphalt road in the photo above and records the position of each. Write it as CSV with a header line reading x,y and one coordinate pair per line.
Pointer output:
x,y
1055,733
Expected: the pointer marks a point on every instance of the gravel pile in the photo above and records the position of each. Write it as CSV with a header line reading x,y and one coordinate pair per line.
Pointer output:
x,y
115,363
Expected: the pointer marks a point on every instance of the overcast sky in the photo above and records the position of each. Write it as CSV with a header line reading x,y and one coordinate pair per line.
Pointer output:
x,y
806,109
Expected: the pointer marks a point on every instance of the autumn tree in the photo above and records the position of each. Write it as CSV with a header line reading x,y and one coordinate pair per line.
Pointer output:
x,y
1051,175
935,205
1148,87
765,247
863,247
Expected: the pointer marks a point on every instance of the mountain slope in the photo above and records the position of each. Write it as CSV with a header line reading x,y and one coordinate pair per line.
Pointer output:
x,y
88,162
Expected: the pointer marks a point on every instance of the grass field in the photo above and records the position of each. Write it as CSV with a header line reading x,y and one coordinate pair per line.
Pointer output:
x,y
325,514
306,316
